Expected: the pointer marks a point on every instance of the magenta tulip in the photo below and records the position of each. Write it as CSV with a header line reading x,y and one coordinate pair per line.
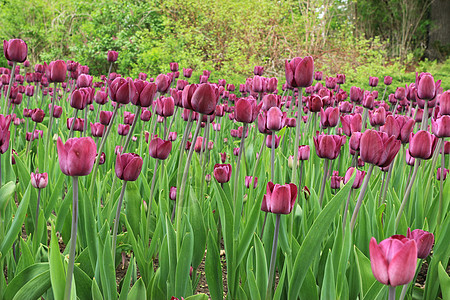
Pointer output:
x,y
424,241
327,146
279,199
422,144
358,179
76,157
128,166
159,148
15,50
378,148
39,180
222,172
300,72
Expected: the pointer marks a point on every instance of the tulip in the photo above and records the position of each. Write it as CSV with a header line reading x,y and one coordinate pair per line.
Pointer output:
x,y
303,152
165,106
327,146
393,261
351,123
112,56
445,103
249,180
123,129
358,179
378,148
279,199
76,156
274,119
269,101
97,129
329,117
39,180
377,117
246,110
356,94
315,103
79,99
105,117
318,75
163,83
146,92
373,81
159,148
330,82
340,78
222,172
128,166
57,71
409,159
424,241
269,141
422,144
15,50
387,80
204,99
122,90
426,86
37,115
299,72
187,72
441,127
441,174
336,180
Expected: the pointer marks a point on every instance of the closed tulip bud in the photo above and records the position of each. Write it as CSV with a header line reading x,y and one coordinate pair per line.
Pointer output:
x,y
422,144
445,103
173,66
303,152
377,117
246,110
329,117
315,103
409,159
145,92
373,81
345,107
269,141
78,100
368,101
101,97
128,166
128,118
112,56
400,93
222,172
57,111
236,151
76,157
77,126
97,129
274,119
122,90
426,86
279,199
15,50
378,148
336,180
271,85
204,99
39,180
269,101
187,72
165,106
393,261
318,75
340,78
163,83
299,72
330,82
441,174
387,80
424,241
356,94
84,80
358,179
291,122
159,148
327,146
446,148
57,71
37,115
441,127
105,117
198,144
123,129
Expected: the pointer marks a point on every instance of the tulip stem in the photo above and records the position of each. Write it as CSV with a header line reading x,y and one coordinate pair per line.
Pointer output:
x,y
152,189
324,181
441,185
406,196
273,258
175,114
183,146
86,110
388,178
73,238
424,125
50,123
180,199
36,218
272,158
116,220
391,292
102,143
238,163
11,81
364,118
137,113
73,122
297,132
361,196
1,169
384,94
204,156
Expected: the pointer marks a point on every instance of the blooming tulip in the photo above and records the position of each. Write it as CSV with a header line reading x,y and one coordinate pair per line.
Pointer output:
x,y
39,180
279,199
377,148
222,172
128,166
393,261
76,157
159,148
327,146
422,144
15,50
300,72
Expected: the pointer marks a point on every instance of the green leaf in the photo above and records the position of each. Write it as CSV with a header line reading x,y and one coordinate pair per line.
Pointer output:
x,y
251,279
261,266
27,275
444,281
34,288
366,278
127,280
57,275
6,193
197,297
213,268
311,245
16,225
138,291
328,286
133,202
199,230
183,264
96,294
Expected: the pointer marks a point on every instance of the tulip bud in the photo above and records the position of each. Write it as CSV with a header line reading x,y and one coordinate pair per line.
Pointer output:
x,y
222,172
248,181
76,157
279,199
441,174
15,50
173,193
422,144
112,56
358,179
159,148
39,180
128,166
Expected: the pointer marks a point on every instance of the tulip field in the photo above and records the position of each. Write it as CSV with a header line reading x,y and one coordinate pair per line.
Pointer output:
x,y
169,186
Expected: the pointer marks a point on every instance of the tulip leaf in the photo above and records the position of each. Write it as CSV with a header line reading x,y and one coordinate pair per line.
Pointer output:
x,y
27,275
444,281
57,274
96,294
16,225
172,254
312,243
34,288
213,268
138,291
199,230
251,280
184,260
6,193
309,288
329,286
279,289
366,278
133,202
376,291
197,297
56,193
261,265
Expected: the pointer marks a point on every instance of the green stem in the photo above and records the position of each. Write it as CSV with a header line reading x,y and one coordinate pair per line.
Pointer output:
x,y
441,185
273,258
73,239
137,114
297,133
324,181
238,163
11,81
272,158
116,220
36,218
424,125
391,292
361,196
407,192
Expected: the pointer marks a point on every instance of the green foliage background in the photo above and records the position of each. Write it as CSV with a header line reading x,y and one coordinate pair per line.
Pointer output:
x,y
227,37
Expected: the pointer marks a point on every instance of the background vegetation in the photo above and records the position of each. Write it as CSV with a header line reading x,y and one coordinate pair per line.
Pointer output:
x,y
358,38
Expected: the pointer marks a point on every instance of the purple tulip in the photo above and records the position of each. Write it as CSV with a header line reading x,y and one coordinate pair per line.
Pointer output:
x,y
128,166
279,199
222,172
39,180
76,157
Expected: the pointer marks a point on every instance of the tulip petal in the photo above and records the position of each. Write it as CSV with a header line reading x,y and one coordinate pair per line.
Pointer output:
x,y
403,265
378,262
